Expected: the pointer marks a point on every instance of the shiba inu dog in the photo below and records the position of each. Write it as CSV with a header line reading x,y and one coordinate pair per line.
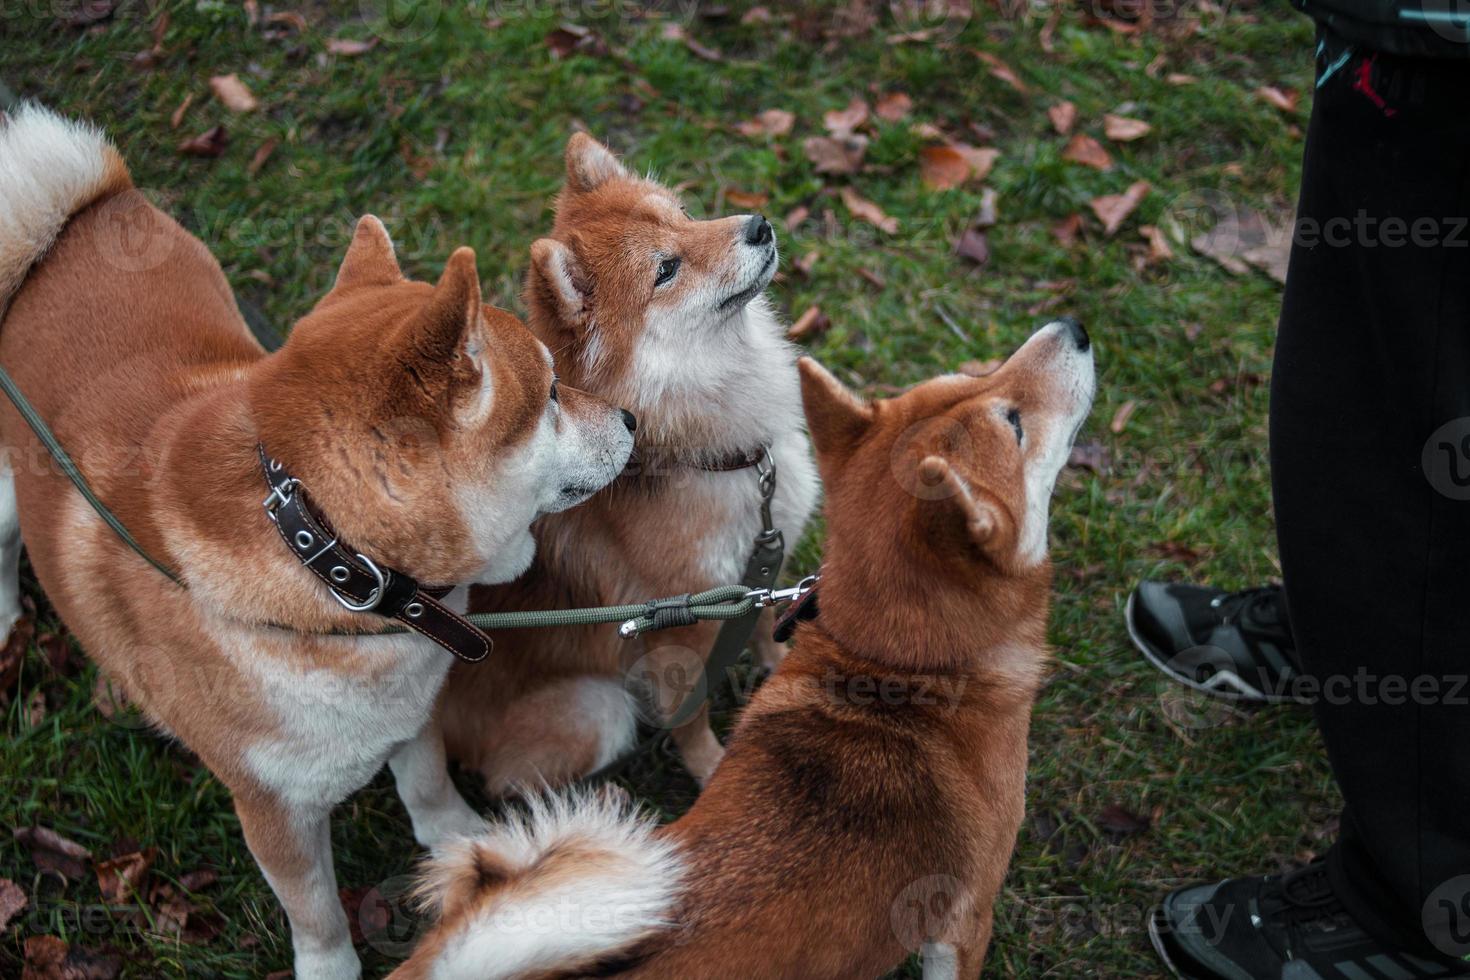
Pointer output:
x,y
428,431
871,793
652,309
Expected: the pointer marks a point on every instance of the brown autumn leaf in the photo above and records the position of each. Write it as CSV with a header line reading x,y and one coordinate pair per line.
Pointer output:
x,y
1116,819
803,266
287,19
119,878
178,116
772,122
199,879
1113,209
348,47
1121,416
1158,244
746,200
262,154
1062,116
12,902
756,15
810,324
49,958
1179,78
1174,551
980,158
233,93
1285,100
796,216
873,278
676,32
53,852
830,155
1123,129
865,210
1087,151
14,653
59,653
1002,71
1245,238
893,106
842,122
943,167
84,13
1092,456
1066,230
210,143
973,245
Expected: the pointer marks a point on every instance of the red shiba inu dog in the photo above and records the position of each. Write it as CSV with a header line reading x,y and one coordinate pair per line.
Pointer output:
x,y
652,309
871,792
424,429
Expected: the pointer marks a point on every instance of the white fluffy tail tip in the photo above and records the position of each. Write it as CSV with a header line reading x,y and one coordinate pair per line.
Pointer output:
x,y
574,880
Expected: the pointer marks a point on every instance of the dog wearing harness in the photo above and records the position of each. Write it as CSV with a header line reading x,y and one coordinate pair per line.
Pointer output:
x,y
293,502
665,314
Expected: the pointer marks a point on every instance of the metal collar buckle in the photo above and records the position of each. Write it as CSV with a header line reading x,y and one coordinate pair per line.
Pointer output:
x,y
280,496
374,597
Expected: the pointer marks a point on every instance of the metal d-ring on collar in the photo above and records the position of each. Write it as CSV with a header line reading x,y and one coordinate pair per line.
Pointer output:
x,y
354,580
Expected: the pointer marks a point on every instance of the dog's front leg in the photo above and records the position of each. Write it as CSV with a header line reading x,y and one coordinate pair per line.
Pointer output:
x,y
421,772
673,668
293,846
10,610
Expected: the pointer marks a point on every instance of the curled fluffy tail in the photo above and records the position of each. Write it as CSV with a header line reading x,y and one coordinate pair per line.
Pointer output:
x,y
575,881
50,168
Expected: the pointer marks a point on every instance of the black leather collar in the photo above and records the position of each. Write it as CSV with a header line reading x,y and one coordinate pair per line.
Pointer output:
x,y
356,581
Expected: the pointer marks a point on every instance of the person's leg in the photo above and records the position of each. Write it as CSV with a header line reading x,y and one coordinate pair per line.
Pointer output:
x,y
1373,356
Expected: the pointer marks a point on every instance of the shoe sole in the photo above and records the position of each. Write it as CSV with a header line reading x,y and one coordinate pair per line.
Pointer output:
x,y
1244,691
1157,939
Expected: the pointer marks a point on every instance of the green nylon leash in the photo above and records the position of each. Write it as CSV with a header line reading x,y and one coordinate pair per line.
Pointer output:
x,y
726,602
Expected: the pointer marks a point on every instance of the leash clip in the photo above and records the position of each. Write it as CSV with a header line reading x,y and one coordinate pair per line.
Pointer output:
x,y
769,597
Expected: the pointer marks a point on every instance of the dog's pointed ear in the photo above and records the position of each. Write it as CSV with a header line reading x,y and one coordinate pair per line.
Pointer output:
x,y
444,328
590,164
835,417
370,259
558,282
953,510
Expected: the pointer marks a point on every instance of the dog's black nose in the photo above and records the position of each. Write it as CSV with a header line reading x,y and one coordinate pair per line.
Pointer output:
x,y
757,230
1077,332
630,420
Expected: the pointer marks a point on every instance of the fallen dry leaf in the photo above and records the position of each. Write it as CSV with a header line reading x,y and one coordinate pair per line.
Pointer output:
x,y
803,266
1158,244
1179,78
1245,238
874,279
830,155
943,167
53,852
570,39
1002,71
865,210
973,245
772,122
1092,456
893,106
210,143
14,653
1121,416
119,878
842,122
1087,151
348,47
1116,819
676,32
287,18
12,902
84,13
796,216
1062,116
262,154
810,324
178,116
199,879
746,200
234,93
756,15
1113,209
1174,551
49,958
1286,101
986,217
1066,230
1123,129
980,159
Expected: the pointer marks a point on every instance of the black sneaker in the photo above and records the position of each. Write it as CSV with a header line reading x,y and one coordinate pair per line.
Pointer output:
x,y
1234,645
1281,927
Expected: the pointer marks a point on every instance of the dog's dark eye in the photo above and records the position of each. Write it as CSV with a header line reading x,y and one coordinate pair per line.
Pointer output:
x,y
667,269
1014,417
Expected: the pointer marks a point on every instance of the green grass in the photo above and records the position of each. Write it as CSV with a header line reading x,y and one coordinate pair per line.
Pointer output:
x,y
455,138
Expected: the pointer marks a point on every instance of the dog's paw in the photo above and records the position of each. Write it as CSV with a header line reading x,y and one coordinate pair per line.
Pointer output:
x,y
334,963
453,824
